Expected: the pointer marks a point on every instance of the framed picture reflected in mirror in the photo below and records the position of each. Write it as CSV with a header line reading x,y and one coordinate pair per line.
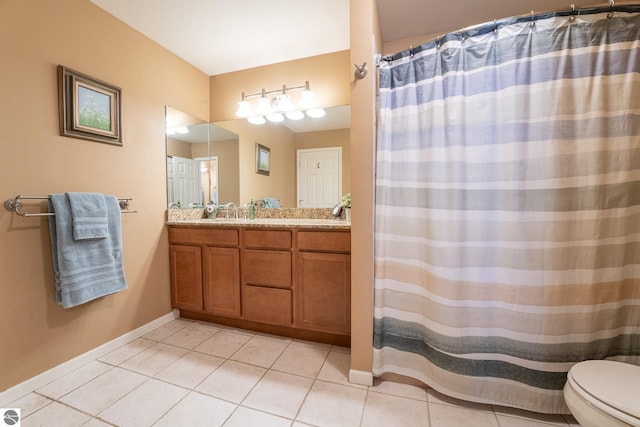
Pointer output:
x,y
262,159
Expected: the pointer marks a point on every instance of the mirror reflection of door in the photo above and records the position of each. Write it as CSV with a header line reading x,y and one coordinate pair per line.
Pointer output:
x,y
209,177
319,177
183,175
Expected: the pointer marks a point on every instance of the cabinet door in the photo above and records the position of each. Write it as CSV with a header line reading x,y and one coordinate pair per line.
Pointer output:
x,y
324,292
221,287
186,277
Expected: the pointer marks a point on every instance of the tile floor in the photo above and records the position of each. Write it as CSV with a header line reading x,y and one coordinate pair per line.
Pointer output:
x,y
189,373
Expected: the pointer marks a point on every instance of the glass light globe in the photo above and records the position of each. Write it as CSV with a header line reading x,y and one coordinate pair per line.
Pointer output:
x,y
244,109
275,117
316,113
284,103
256,120
294,115
307,100
264,106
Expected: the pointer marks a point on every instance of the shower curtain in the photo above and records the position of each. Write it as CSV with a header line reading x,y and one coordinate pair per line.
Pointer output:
x,y
507,233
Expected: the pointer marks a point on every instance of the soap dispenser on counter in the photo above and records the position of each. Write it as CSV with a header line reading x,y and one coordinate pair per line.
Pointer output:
x,y
252,209
211,210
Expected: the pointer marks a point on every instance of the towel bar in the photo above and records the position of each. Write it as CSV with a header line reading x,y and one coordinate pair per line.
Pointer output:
x,y
14,205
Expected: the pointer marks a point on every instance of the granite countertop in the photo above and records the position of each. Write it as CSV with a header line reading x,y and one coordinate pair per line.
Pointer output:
x,y
265,223
283,217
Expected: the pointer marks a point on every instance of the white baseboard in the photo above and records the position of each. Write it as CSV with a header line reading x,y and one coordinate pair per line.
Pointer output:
x,y
360,377
46,377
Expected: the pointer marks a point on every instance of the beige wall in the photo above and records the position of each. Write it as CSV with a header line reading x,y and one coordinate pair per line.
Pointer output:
x,y
35,36
178,148
199,150
396,46
228,162
330,138
365,42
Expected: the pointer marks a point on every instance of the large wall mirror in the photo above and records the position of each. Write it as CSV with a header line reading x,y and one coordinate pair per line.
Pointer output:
x,y
200,155
216,162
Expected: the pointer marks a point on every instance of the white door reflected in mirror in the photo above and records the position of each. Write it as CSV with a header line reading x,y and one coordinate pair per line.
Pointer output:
x,y
182,175
319,177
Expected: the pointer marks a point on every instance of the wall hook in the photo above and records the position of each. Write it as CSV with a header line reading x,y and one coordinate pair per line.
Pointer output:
x,y
361,70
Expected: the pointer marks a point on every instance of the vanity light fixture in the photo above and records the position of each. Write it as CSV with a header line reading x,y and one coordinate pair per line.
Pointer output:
x,y
276,108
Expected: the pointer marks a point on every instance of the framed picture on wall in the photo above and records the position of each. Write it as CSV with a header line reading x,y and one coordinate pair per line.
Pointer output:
x,y
262,159
89,108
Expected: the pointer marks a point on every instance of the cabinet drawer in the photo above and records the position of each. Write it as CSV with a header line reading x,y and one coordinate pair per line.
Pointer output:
x,y
267,305
270,268
332,241
275,239
204,236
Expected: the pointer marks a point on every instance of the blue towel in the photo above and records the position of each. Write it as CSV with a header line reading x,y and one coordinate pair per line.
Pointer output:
x,y
85,269
89,214
273,203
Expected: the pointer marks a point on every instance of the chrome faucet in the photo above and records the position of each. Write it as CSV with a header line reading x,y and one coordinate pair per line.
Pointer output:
x,y
174,205
227,206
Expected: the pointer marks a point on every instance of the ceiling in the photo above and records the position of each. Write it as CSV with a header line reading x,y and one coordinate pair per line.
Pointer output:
x,y
400,19
221,36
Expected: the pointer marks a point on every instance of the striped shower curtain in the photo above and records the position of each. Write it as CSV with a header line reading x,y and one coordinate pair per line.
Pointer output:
x,y
507,236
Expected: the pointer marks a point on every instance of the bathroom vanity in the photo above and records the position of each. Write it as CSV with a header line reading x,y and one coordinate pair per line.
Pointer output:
x,y
288,277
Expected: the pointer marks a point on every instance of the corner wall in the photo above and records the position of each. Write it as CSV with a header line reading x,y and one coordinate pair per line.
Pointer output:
x,y
36,36
365,43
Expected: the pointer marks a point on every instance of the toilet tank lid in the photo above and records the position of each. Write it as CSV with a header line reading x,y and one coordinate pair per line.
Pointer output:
x,y
616,384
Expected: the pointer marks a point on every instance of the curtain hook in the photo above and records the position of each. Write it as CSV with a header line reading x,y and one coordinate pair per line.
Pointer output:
x,y
611,4
533,22
573,9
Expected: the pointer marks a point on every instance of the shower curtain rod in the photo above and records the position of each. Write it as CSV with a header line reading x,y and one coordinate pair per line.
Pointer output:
x,y
572,11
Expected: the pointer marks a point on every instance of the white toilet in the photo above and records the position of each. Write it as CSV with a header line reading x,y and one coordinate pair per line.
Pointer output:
x,y
604,393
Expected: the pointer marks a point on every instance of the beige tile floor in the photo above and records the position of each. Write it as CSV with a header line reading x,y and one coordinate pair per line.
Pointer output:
x,y
196,374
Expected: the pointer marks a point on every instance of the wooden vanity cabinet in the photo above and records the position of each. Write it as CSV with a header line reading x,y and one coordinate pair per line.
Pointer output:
x,y
205,270
323,281
186,277
290,281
